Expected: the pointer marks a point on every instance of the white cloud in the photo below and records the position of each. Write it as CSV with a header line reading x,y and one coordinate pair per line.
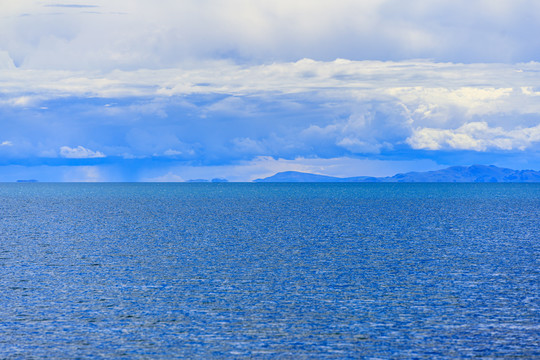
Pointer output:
x,y
5,61
530,91
171,152
479,87
129,34
368,130
6,143
435,103
478,136
360,106
79,152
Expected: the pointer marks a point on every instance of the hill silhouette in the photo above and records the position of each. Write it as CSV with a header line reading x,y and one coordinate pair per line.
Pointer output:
x,y
474,173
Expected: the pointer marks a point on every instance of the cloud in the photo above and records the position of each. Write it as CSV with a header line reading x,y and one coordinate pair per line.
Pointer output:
x,y
478,136
137,34
6,63
76,6
171,152
79,153
6,143
479,87
221,112
368,130
185,84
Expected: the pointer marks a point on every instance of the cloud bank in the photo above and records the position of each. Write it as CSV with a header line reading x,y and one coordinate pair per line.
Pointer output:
x,y
79,152
130,34
132,91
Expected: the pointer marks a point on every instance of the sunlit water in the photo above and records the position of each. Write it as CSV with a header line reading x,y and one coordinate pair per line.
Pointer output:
x,y
269,270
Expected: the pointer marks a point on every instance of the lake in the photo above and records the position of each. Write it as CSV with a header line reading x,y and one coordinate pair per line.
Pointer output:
x,y
245,270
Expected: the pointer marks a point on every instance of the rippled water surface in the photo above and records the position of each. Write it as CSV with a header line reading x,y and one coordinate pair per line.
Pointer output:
x,y
269,270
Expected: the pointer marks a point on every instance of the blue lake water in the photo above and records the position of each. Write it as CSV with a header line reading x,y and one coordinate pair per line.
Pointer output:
x,y
269,270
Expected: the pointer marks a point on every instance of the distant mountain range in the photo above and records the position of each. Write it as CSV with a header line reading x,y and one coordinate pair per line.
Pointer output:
x,y
474,173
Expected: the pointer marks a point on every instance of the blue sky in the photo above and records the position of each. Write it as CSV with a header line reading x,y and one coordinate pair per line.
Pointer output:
x,y
176,90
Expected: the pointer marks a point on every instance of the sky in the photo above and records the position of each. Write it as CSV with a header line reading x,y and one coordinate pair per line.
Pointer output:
x,y
167,90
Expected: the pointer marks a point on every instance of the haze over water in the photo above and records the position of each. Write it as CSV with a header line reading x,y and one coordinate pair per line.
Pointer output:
x,y
269,270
